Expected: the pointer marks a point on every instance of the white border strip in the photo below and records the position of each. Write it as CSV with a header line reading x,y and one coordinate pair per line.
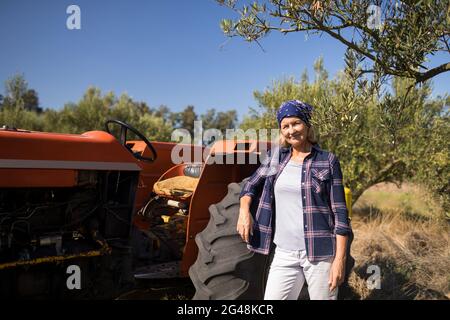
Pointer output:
x,y
57,164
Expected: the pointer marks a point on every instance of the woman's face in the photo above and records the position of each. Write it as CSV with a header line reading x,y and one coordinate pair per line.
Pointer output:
x,y
294,130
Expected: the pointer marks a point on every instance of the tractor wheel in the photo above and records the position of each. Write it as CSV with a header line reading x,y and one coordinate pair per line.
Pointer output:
x,y
225,269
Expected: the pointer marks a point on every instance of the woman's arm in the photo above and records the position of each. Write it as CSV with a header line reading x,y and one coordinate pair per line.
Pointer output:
x,y
337,200
342,226
337,271
248,193
245,220
254,182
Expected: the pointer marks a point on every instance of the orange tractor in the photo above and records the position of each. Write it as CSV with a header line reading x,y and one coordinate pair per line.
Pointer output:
x,y
120,210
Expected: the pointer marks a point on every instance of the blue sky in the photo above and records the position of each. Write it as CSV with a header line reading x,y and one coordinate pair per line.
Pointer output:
x,y
161,52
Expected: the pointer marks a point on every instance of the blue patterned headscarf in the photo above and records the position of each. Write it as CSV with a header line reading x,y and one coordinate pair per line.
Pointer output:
x,y
295,108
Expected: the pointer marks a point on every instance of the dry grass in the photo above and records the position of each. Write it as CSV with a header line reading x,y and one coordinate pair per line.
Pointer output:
x,y
407,238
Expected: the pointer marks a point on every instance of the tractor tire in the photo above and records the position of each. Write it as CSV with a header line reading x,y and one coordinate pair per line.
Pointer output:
x,y
225,268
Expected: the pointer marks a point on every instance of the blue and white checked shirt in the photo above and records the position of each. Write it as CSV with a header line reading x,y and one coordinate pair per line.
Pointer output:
x,y
324,209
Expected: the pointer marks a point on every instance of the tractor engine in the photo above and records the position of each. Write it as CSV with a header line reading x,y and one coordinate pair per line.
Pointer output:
x,y
43,222
65,201
38,222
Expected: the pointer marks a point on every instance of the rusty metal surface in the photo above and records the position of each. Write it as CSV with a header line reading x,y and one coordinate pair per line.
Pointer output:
x,y
52,259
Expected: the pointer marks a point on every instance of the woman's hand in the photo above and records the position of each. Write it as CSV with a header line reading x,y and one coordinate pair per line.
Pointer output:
x,y
245,224
337,273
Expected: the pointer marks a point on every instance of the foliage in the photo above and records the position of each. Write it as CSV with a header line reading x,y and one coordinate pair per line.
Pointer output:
x,y
434,170
395,37
18,96
219,120
94,108
185,119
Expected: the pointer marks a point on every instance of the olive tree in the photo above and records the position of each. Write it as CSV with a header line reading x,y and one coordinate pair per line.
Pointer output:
x,y
395,38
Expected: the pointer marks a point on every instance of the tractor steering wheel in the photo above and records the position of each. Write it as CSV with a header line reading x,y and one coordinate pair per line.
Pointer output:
x,y
124,127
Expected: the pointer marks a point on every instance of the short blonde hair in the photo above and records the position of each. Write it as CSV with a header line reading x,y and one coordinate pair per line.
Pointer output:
x,y
312,138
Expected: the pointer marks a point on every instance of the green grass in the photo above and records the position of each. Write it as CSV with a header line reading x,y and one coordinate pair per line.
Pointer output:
x,y
410,199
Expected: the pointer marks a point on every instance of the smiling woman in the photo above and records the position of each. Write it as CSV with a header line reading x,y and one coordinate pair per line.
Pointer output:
x,y
302,211
310,135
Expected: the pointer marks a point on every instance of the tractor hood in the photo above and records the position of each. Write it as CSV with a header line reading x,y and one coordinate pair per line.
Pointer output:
x,y
93,150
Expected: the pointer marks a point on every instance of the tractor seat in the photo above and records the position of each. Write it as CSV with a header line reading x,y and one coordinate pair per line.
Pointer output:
x,y
179,182
178,186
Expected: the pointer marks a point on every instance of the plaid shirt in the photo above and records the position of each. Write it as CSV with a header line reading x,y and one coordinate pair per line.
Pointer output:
x,y
324,210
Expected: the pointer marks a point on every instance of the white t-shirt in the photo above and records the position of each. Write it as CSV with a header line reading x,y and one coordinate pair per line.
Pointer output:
x,y
289,232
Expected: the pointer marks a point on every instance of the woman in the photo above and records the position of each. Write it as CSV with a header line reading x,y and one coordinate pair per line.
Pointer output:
x,y
301,209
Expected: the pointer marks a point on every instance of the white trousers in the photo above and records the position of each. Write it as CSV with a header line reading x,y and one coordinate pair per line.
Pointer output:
x,y
288,272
